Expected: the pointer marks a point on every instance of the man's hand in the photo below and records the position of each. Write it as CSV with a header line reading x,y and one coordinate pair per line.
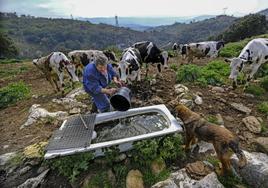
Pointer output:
x,y
118,82
110,91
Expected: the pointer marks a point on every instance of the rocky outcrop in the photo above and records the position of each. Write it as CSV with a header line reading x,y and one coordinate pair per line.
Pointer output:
x,y
34,182
255,173
252,124
37,113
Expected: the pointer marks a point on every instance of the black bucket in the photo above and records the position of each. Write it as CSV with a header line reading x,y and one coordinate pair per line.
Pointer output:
x,y
121,99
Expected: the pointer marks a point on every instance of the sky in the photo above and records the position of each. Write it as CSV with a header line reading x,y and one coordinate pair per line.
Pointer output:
x,y
133,8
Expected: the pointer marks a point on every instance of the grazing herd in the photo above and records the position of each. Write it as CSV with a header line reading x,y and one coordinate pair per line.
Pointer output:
x,y
254,54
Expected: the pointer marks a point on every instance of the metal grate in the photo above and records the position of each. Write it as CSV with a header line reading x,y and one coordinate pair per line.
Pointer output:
x,y
74,134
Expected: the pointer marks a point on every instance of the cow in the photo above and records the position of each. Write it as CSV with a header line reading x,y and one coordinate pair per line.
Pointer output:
x,y
253,55
82,57
53,67
202,49
129,67
150,53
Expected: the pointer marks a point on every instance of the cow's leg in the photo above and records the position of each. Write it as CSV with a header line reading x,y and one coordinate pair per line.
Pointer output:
x,y
147,69
139,75
61,76
159,67
250,76
51,81
235,83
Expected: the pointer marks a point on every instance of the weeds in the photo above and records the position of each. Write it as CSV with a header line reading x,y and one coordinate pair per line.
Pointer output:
x,y
255,90
263,107
71,166
12,93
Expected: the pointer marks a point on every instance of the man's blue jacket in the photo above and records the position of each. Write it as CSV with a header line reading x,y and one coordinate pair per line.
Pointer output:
x,y
94,81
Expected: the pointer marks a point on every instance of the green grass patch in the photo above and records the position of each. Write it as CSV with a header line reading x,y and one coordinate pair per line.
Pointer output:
x,y
150,179
263,107
17,160
12,72
174,67
264,83
12,93
71,166
10,61
255,90
212,119
99,180
213,160
214,73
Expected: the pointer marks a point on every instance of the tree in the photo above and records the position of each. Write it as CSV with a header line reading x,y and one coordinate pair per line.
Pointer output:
x,y
7,47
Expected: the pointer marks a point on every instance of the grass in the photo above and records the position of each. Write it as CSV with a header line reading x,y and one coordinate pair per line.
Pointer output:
x,y
12,72
71,166
212,119
263,107
214,73
264,82
17,160
233,49
12,93
255,90
231,181
10,61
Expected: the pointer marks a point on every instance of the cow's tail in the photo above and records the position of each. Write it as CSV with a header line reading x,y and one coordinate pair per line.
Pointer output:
x,y
234,145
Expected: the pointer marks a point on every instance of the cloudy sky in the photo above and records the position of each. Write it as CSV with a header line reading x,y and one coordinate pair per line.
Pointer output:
x,y
125,8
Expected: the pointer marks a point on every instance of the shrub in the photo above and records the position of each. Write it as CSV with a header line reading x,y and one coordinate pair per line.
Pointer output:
x,y
214,73
263,107
13,93
150,179
71,166
174,67
255,90
264,83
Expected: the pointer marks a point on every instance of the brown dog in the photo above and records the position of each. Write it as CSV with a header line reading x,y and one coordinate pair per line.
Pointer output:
x,y
221,138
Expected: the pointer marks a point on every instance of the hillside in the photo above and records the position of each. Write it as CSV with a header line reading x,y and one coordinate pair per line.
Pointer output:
x,y
39,36
197,31
264,12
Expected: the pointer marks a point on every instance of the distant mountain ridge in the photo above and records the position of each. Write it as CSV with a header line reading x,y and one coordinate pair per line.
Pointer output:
x,y
264,12
142,23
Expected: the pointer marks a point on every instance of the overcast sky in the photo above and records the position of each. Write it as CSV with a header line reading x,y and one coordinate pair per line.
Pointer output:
x,y
125,8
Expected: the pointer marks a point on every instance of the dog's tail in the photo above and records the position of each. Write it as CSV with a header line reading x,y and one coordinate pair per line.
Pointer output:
x,y
234,145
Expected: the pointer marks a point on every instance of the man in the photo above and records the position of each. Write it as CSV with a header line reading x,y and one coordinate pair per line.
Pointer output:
x,y
97,76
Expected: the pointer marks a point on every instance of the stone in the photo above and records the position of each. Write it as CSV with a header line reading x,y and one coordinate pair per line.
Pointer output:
x,y
153,81
157,100
34,182
158,166
179,88
219,119
111,177
252,124
5,146
180,179
186,102
247,135
37,113
4,158
262,144
197,170
240,107
134,179
198,100
249,95
75,111
24,170
34,150
121,157
165,184
255,172
205,147
218,89
229,118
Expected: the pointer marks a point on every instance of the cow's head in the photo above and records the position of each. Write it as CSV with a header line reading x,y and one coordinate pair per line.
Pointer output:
x,y
35,61
124,70
110,55
219,45
164,59
236,65
70,68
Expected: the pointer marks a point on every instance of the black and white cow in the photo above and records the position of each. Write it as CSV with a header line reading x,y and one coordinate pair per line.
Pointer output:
x,y
83,57
53,67
130,65
202,49
253,55
150,53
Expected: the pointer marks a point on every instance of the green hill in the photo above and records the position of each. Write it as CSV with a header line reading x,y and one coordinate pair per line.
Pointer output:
x,y
197,31
39,36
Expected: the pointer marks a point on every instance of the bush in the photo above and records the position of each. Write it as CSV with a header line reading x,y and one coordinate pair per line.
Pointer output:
x,y
71,166
13,93
264,83
232,49
263,107
255,90
214,73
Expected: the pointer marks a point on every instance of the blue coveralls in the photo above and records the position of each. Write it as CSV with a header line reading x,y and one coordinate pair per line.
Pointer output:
x,y
94,81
